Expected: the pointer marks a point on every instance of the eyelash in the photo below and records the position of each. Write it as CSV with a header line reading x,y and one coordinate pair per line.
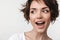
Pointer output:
x,y
32,11
45,11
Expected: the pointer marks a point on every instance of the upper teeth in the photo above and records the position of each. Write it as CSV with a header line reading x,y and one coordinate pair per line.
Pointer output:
x,y
39,22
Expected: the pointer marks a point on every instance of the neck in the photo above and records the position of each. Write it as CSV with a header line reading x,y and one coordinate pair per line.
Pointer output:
x,y
39,36
33,35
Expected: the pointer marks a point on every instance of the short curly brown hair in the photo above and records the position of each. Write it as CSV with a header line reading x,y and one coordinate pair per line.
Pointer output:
x,y
52,4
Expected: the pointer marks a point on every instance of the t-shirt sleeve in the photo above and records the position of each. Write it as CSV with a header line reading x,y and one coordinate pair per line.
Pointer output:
x,y
14,37
17,36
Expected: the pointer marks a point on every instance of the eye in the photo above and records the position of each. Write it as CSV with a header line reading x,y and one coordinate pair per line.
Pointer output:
x,y
32,11
45,11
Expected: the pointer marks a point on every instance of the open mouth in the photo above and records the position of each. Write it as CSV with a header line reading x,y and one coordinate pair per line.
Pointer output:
x,y
40,23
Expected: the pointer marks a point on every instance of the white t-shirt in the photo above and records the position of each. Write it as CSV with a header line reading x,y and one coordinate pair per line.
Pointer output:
x,y
17,36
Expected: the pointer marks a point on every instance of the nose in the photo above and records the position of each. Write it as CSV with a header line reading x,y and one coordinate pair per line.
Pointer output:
x,y
39,15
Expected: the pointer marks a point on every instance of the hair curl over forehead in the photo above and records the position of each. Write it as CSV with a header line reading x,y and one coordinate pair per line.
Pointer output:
x,y
52,4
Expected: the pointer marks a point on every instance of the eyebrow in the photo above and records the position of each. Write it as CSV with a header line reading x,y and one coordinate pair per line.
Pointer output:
x,y
45,7
36,8
33,8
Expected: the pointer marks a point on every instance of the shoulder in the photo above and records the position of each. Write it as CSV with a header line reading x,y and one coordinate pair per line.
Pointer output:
x,y
16,36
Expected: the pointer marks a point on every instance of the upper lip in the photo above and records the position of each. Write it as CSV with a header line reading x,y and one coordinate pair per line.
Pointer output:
x,y
39,21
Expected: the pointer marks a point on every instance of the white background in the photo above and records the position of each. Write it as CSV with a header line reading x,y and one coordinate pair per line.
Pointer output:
x,y
12,20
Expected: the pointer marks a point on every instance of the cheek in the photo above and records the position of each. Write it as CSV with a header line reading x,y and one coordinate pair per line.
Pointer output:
x,y
31,20
32,17
47,18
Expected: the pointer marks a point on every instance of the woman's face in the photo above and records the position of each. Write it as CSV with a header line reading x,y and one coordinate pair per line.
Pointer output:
x,y
39,16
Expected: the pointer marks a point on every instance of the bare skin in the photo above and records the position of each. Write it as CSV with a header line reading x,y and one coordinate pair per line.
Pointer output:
x,y
36,36
39,13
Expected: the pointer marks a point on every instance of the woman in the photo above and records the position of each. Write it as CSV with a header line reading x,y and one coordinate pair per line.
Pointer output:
x,y
40,13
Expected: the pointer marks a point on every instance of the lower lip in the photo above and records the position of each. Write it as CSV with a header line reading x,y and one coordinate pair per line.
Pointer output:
x,y
40,26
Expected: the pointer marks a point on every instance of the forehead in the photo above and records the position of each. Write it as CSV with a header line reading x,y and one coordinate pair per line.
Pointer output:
x,y
38,5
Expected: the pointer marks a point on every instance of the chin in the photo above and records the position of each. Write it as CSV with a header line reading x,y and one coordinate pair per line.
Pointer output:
x,y
41,30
